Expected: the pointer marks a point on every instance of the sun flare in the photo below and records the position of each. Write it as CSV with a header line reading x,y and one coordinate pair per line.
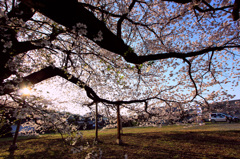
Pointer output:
x,y
26,91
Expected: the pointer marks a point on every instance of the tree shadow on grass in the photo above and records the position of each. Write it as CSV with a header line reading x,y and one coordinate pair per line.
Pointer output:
x,y
214,137
185,145
156,145
36,149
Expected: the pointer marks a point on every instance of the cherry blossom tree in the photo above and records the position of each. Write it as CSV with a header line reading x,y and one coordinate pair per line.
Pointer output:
x,y
136,54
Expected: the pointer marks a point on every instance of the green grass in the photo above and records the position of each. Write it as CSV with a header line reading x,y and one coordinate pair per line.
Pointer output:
x,y
217,141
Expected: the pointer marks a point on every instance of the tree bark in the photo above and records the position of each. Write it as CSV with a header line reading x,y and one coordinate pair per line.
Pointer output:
x,y
119,140
96,123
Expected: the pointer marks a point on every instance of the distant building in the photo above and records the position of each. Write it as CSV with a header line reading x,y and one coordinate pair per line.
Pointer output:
x,y
231,107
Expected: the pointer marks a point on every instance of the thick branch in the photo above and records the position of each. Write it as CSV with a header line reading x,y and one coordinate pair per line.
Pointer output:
x,y
235,12
69,13
142,59
49,72
119,23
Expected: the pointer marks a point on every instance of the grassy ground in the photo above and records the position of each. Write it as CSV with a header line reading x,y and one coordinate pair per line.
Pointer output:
x,y
217,141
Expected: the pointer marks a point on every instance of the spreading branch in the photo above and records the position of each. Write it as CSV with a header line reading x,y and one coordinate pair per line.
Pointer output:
x,y
71,13
50,72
